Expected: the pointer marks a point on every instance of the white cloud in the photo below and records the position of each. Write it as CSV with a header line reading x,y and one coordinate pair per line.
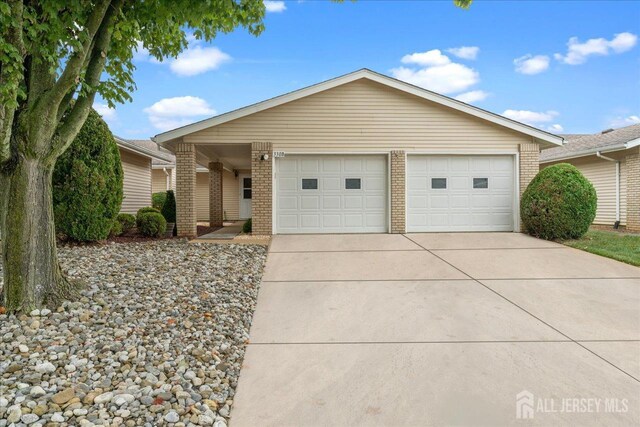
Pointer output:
x,y
465,52
472,96
449,78
577,53
275,6
107,113
555,128
531,117
170,113
426,59
530,64
619,122
198,60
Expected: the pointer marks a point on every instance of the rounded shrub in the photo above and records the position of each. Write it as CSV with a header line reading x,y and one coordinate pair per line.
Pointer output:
x,y
87,183
157,200
116,229
246,227
152,224
559,203
146,209
127,221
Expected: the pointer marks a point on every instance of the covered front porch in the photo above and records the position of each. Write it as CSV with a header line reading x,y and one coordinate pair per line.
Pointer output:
x,y
231,181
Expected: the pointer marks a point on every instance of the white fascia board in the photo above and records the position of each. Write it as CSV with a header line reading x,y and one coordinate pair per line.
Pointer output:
x,y
633,143
585,153
376,77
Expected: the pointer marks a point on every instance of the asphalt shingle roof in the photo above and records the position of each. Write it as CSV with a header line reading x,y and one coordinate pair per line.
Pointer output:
x,y
577,145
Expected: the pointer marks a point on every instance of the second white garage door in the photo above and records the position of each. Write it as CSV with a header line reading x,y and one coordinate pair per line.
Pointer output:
x,y
460,193
331,194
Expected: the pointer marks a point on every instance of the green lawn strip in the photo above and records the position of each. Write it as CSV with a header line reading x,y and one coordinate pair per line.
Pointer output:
x,y
611,244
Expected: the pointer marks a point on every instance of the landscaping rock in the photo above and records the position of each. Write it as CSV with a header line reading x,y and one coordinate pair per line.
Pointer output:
x,y
157,336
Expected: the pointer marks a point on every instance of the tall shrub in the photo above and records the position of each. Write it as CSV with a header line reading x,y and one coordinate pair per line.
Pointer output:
x,y
87,183
559,203
169,207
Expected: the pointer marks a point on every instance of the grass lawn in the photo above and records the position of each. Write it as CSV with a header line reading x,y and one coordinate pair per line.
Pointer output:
x,y
622,247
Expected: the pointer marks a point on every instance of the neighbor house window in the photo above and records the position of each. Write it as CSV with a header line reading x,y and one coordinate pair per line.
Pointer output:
x,y
480,182
309,183
438,183
352,183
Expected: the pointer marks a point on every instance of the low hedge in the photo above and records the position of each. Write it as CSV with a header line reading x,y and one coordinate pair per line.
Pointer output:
x,y
559,203
152,224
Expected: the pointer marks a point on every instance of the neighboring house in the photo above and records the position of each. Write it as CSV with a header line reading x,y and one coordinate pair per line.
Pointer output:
x,y
611,161
136,166
359,153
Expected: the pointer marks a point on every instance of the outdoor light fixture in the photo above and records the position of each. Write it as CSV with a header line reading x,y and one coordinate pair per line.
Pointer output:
x,y
264,157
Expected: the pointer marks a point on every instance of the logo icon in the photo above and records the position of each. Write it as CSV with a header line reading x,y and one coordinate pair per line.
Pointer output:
x,y
524,405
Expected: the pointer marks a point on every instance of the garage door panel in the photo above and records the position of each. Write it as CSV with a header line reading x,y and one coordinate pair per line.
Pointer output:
x,y
337,205
478,195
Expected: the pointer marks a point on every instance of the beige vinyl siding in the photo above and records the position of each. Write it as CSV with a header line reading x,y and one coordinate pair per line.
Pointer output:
x,y
602,174
230,196
202,196
159,180
136,182
363,116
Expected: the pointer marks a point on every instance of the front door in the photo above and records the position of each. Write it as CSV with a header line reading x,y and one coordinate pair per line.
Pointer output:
x,y
245,196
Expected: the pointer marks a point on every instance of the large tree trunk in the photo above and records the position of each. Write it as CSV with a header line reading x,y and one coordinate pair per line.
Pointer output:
x,y
32,276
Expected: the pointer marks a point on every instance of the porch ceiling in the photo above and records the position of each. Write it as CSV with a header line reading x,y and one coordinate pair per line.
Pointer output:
x,y
233,156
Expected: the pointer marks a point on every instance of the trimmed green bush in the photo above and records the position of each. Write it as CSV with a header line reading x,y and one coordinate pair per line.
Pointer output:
x,y
116,229
169,208
559,203
146,209
152,224
157,200
127,221
87,183
246,227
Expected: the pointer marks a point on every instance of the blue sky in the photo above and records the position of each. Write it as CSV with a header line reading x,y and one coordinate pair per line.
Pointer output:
x,y
566,66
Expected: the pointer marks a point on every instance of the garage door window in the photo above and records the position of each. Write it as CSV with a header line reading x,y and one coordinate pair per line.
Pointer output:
x,y
480,182
352,184
439,183
309,183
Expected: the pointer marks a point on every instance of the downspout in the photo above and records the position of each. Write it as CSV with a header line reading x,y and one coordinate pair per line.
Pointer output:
x,y
617,162
167,179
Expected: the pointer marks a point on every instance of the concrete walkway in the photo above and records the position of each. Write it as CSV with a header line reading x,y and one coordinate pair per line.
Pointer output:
x,y
440,329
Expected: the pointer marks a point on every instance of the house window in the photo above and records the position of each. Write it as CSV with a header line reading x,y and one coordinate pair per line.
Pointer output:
x,y
309,183
438,183
246,188
480,182
353,184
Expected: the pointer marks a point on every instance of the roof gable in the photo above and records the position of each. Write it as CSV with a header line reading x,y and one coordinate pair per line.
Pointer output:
x,y
541,136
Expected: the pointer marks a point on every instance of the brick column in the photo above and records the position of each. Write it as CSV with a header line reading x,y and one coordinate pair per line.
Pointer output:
x,y
529,168
262,188
633,191
186,221
215,194
398,204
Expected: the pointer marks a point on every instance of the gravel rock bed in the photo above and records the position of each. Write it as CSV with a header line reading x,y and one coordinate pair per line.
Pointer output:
x,y
157,338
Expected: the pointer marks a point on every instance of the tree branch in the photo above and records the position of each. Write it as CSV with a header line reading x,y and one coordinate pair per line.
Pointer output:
x,y
70,126
10,76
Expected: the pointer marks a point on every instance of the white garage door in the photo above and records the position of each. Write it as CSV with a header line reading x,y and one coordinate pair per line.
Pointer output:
x,y
331,194
460,193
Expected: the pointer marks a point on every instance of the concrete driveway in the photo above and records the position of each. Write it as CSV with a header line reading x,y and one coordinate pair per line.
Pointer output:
x,y
441,329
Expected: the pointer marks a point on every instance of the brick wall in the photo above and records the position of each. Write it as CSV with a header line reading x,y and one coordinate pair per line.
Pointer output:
x,y
633,191
215,194
398,204
186,190
262,188
529,167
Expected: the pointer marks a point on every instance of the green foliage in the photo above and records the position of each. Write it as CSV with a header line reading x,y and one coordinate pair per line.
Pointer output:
x,y
246,227
127,221
157,200
169,207
87,183
559,203
116,229
146,209
152,224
